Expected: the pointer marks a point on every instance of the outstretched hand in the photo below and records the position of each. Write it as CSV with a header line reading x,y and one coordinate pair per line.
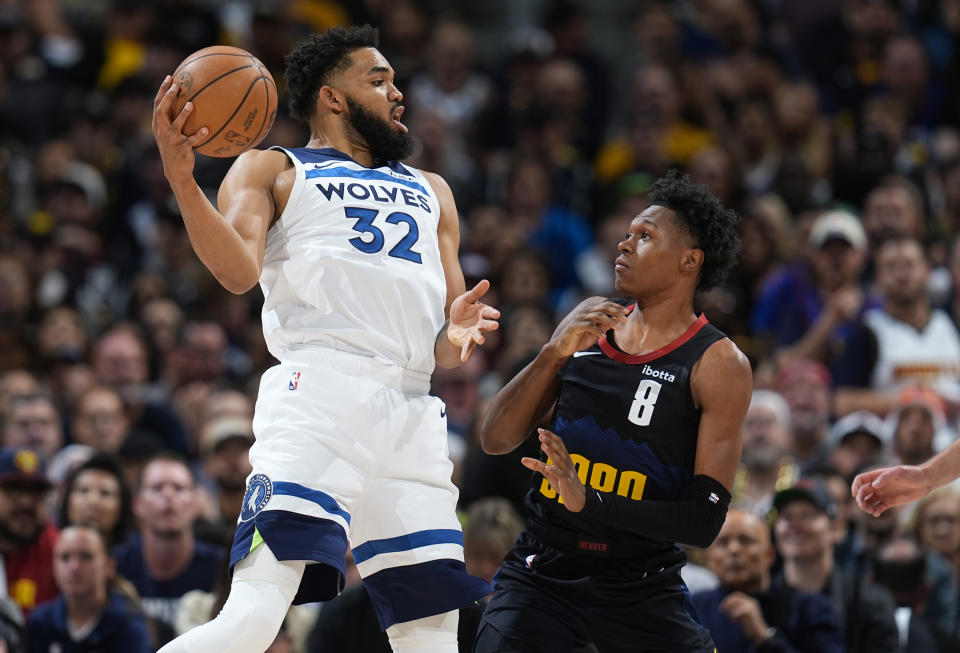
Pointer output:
x,y
559,470
470,318
586,324
176,148
879,489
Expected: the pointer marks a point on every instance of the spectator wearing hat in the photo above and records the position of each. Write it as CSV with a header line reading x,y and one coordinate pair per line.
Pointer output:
x,y
748,612
904,342
224,447
917,425
856,440
806,308
806,529
27,536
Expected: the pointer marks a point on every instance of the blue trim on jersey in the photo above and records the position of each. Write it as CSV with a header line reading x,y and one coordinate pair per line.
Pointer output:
x,y
407,542
365,174
322,499
416,591
294,536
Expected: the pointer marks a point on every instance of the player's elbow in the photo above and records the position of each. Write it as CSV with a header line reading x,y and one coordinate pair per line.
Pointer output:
x,y
493,442
238,286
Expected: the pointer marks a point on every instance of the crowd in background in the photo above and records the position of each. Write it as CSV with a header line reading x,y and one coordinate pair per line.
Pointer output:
x,y
128,376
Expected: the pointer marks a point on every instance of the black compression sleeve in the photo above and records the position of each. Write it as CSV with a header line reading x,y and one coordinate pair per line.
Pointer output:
x,y
695,519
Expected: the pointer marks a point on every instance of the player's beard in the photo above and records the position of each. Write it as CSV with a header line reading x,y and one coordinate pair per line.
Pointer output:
x,y
386,143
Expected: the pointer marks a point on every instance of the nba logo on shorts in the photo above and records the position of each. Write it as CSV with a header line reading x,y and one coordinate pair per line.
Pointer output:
x,y
258,494
295,380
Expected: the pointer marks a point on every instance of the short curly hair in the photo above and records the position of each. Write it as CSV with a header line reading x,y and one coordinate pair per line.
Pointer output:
x,y
316,59
712,227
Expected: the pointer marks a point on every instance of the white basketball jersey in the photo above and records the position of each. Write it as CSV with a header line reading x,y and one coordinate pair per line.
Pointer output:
x,y
353,263
907,357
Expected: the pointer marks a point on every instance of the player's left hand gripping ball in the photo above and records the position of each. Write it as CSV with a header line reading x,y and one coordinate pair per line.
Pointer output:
x,y
470,318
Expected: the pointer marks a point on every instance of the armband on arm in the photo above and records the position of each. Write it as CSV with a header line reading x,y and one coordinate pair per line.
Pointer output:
x,y
695,519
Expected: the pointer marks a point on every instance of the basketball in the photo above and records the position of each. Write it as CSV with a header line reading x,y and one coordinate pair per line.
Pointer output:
x,y
233,95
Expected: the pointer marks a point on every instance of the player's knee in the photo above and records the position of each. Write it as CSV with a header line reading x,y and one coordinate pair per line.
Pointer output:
x,y
255,623
436,634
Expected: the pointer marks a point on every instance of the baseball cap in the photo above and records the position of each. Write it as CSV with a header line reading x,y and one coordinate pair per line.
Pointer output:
x,y
223,428
861,421
24,466
838,225
812,490
87,179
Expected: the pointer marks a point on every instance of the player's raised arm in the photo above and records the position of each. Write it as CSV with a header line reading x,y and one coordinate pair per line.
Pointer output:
x,y
516,409
467,317
231,241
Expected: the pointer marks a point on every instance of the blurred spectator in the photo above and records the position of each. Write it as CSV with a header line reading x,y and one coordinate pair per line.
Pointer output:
x,y
33,421
748,612
856,440
95,493
225,450
809,305
558,233
806,387
13,384
904,342
165,560
119,361
100,420
806,530
90,613
900,566
765,461
490,528
893,210
936,524
27,535
915,422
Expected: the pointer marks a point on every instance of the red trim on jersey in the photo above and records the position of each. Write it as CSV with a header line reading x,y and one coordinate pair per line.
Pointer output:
x,y
636,359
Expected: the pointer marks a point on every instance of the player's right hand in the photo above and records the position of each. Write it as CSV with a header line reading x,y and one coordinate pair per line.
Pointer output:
x,y
176,148
586,324
879,489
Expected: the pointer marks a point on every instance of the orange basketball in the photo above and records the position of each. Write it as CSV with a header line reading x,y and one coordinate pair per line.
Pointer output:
x,y
233,95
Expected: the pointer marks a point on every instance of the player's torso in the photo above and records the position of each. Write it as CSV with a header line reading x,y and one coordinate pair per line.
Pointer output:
x,y
353,263
629,423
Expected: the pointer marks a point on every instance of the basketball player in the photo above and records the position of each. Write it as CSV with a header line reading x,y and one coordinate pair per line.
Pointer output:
x,y
879,489
641,451
356,255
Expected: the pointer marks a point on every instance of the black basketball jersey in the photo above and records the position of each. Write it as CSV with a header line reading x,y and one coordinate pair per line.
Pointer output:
x,y
630,425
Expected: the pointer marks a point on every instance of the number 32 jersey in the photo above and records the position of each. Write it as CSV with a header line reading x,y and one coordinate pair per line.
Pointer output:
x,y
630,425
353,263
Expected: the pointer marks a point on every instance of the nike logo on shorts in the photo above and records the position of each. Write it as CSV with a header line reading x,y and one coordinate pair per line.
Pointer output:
x,y
443,412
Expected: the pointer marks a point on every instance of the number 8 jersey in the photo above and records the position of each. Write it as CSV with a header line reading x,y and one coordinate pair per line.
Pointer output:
x,y
630,425
353,263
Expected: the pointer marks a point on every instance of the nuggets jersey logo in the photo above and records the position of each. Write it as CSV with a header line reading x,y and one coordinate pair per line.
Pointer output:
x,y
258,494
629,423
353,263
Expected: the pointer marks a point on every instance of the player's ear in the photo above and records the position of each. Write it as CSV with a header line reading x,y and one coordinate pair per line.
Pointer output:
x,y
330,99
691,261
